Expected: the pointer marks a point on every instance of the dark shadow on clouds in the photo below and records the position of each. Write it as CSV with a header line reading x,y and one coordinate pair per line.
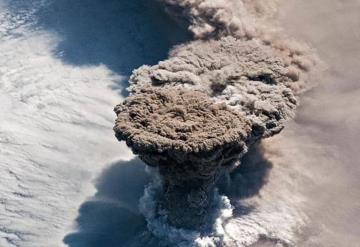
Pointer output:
x,y
251,175
111,217
248,179
120,34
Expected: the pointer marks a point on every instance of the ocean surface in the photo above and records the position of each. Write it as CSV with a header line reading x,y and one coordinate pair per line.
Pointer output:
x,y
66,181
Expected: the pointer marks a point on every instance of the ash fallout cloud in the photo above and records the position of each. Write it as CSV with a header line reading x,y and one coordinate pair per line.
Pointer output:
x,y
193,116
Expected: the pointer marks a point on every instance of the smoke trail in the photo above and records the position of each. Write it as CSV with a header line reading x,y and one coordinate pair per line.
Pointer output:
x,y
242,19
237,59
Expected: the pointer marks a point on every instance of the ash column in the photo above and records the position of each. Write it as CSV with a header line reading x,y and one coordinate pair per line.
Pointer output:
x,y
190,139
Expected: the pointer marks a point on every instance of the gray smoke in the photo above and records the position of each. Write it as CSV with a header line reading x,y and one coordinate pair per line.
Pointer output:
x,y
210,18
242,19
255,71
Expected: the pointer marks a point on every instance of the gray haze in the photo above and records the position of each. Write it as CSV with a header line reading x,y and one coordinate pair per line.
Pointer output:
x,y
326,131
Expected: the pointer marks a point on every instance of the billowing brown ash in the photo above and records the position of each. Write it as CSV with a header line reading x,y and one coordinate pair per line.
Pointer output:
x,y
193,115
248,76
189,138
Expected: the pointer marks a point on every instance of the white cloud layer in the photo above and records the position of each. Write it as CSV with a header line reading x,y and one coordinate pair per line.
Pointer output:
x,y
55,133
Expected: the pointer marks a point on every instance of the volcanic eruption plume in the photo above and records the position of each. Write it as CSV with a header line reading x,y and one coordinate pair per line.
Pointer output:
x,y
194,115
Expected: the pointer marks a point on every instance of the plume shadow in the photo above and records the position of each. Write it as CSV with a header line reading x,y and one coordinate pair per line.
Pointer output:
x,y
119,34
111,217
248,179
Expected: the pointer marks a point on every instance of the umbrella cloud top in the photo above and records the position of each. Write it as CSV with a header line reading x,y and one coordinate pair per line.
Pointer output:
x,y
160,120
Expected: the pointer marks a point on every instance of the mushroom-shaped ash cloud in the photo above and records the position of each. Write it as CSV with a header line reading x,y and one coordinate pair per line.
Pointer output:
x,y
195,114
190,138
247,93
